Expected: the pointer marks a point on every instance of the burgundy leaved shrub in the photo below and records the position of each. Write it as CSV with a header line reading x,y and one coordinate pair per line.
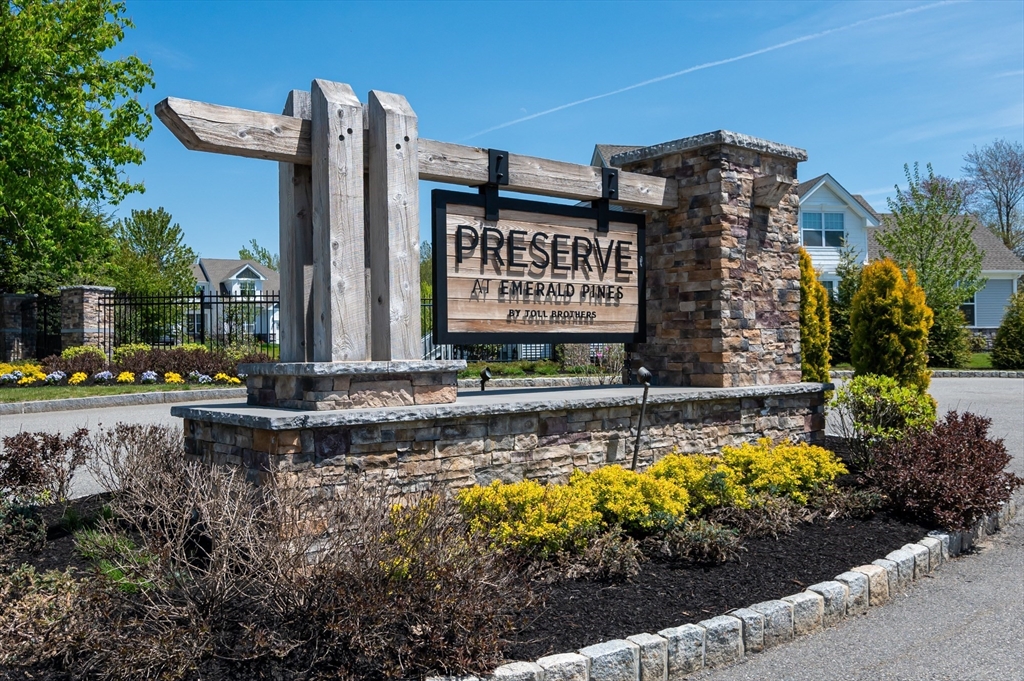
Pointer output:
x,y
87,363
949,475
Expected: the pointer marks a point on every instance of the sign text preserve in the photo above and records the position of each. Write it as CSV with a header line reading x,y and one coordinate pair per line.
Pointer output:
x,y
542,272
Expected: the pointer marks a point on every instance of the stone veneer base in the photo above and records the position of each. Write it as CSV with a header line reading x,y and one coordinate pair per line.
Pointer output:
x,y
328,386
540,434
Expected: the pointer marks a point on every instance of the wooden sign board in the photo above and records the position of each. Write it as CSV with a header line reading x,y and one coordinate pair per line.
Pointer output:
x,y
541,273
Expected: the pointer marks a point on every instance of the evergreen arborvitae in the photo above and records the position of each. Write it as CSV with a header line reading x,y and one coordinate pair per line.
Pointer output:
x,y
1008,348
815,326
890,321
848,270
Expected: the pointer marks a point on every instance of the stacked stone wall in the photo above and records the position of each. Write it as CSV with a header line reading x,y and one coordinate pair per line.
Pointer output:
x,y
543,445
723,294
83,321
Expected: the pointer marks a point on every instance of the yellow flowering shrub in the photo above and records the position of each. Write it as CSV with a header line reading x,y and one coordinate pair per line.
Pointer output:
x,y
126,377
636,501
78,378
785,469
532,518
710,482
172,377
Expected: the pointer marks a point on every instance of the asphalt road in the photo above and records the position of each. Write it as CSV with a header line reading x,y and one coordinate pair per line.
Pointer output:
x,y
65,422
966,622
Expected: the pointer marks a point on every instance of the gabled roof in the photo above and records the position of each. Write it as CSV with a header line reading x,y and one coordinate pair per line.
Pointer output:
x,y
604,152
215,271
858,205
996,257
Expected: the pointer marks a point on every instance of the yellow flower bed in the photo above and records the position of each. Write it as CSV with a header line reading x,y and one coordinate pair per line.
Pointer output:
x,y
126,377
528,516
636,501
785,469
710,482
78,378
224,378
172,377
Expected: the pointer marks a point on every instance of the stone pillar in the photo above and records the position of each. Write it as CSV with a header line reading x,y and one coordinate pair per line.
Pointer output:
x,y
723,282
83,321
18,316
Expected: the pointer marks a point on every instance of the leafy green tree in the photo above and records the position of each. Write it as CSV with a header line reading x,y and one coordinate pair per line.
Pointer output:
x,y
261,255
848,270
930,233
814,323
890,321
69,123
152,258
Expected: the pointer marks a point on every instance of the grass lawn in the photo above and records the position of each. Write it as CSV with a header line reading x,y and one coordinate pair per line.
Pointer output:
x,y
524,369
979,360
60,392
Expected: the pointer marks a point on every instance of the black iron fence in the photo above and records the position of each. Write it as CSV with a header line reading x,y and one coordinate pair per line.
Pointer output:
x,y
213,320
47,326
490,352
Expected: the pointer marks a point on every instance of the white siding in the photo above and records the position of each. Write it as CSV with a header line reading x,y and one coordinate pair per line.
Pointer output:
x,y
824,200
991,302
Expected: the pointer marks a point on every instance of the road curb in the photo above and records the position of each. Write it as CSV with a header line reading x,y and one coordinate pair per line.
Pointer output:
x,y
726,640
130,400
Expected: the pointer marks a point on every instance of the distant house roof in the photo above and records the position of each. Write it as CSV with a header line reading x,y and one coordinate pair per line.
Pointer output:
x,y
215,271
996,256
604,152
856,202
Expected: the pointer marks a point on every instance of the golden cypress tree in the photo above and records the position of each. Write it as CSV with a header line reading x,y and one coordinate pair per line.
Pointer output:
x,y
815,326
890,322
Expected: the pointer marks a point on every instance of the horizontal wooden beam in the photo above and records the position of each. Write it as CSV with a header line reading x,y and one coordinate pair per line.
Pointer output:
x,y
255,134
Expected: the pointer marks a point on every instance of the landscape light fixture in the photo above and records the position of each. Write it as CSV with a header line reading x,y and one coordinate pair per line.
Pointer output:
x,y
644,377
485,375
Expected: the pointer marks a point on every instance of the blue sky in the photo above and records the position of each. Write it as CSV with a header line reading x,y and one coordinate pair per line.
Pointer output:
x,y
891,86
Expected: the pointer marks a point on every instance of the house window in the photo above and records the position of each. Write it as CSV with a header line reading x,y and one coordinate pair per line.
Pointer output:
x,y
823,229
830,286
247,288
968,308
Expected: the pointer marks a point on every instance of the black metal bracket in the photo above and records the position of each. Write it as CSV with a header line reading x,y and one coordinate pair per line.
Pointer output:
x,y
497,175
609,192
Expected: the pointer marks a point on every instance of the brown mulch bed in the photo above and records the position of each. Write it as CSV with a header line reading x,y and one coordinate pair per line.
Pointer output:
x,y
575,614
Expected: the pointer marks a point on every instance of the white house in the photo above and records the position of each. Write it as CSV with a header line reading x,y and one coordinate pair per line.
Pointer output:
x,y
831,217
221,281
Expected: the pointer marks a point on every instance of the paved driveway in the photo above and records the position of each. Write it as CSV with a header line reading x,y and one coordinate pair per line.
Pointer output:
x,y
965,623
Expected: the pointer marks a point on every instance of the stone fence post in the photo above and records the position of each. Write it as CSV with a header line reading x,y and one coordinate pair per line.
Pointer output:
x,y
723,280
82,320
18,315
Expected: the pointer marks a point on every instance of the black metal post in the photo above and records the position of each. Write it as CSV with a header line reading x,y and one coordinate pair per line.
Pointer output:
x,y
644,375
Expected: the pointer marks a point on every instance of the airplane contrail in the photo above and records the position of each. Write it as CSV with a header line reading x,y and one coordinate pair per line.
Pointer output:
x,y
720,62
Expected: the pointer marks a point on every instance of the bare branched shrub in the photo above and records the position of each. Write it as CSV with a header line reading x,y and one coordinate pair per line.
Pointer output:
x,y
697,541
610,556
202,574
767,516
41,466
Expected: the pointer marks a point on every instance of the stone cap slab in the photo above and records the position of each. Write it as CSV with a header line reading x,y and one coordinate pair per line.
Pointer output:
x,y
489,403
705,140
410,366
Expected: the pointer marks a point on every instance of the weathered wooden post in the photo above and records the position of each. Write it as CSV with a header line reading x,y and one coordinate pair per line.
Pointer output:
x,y
296,247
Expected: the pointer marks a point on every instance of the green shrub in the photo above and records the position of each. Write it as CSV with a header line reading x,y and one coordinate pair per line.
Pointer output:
x,y
949,341
890,322
848,270
122,352
815,326
873,409
636,501
785,469
1008,348
948,476
82,351
700,541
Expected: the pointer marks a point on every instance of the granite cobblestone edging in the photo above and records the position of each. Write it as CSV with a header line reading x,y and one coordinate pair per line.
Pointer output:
x,y
676,652
949,373
126,400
